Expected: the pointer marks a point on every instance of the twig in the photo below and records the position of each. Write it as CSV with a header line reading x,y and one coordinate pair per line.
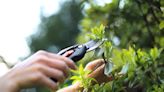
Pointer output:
x,y
3,61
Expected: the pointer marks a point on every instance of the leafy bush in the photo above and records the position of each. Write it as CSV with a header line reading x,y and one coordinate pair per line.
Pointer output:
x,y
133,70
134,46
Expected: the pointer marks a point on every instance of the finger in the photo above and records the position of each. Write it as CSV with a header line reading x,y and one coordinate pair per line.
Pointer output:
x,y
94,64
68,53
58,75
56,64
45,81
101,71
37,79
98,71
68,61
99,75
51,72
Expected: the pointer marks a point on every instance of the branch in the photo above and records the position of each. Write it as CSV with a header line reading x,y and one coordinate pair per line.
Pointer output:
x,y
150,3
3,61
146,21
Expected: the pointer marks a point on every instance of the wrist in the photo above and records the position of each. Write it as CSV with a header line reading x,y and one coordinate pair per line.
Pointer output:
x,y
12,86
9,83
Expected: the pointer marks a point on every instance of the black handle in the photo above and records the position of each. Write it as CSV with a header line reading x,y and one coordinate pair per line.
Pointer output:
x,y
78,53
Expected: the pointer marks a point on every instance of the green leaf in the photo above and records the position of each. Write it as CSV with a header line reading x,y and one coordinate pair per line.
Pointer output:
x,y
75,78
161,25
92,36
124,69
108,49
101,29
108,68
97,32
154,53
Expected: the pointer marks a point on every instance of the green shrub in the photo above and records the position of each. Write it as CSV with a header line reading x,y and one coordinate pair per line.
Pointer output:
x,y
133,70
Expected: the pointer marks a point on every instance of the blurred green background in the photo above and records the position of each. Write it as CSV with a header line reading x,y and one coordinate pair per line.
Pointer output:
x,y
138,22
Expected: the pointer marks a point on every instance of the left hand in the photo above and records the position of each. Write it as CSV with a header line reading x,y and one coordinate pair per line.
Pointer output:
x,y
97,68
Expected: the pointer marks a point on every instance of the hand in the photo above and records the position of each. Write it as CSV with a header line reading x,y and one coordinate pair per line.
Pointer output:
x,y
97,68
37,71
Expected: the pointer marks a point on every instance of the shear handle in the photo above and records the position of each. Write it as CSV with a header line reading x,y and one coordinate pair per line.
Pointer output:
x,y
78,53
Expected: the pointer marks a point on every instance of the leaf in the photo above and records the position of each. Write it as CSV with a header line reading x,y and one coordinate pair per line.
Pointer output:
x,y
108,68
101,29
108,49
97,32
74,71
161,25
75,78
124,69
81,70
92,36
154,53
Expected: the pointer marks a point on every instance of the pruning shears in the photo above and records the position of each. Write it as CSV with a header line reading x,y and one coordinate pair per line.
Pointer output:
x,y
79,51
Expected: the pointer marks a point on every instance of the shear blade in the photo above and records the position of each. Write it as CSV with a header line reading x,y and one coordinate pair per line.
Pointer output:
x,y
93,44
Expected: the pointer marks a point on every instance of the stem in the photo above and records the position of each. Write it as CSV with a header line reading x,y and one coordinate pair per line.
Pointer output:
x,y
113,84
104,58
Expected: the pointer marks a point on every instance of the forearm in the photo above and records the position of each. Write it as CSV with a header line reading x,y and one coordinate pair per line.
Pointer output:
x,y
7,85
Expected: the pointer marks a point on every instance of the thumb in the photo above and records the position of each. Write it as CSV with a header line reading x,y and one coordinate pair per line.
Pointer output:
x,y
94,64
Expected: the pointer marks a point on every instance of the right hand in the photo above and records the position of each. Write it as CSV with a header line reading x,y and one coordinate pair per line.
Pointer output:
x,y
37,71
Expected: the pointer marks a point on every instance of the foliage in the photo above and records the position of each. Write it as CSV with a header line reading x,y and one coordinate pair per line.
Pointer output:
x,y
133,69
81,75
138,26
136,22
86,82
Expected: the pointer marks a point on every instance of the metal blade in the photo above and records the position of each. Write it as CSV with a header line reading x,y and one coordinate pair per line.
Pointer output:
x,y
93,44
67,49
